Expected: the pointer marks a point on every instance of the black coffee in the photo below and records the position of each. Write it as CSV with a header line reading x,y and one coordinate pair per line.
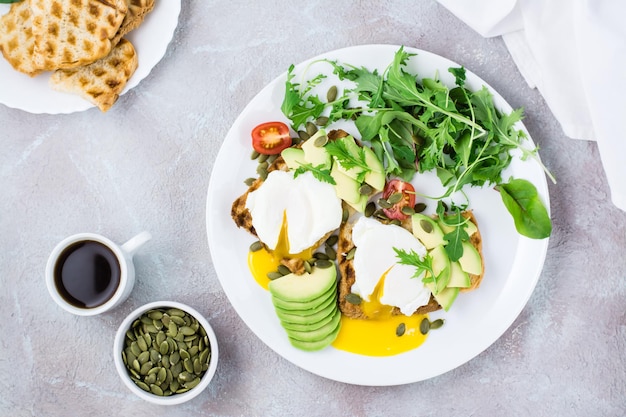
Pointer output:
x,y
87,274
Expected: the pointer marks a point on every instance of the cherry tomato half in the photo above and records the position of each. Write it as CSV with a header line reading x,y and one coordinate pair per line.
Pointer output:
x,y
408,198
271,138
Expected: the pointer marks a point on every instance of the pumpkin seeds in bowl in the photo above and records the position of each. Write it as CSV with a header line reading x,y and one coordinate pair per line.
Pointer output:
x,y
165,352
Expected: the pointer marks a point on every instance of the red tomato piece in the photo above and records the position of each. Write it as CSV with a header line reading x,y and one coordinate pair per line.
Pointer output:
x,y
271,138
408,198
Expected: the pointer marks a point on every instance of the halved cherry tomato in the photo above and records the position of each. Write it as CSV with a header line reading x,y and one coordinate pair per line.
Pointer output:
x,y
271,138
408,198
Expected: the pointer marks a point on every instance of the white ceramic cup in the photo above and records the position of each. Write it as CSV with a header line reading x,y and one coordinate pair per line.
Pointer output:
x,y
124,255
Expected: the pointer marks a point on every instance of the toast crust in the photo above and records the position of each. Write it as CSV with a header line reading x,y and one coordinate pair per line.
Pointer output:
x,y
348,276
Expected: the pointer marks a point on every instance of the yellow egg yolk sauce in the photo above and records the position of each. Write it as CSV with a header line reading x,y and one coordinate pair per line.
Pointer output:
x,y
378,335
264,261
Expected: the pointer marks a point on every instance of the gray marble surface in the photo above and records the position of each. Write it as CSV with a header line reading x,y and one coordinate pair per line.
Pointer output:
x,y
145,165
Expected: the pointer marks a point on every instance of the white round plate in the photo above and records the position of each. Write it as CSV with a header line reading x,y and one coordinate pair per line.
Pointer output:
x,y
34,95
476,320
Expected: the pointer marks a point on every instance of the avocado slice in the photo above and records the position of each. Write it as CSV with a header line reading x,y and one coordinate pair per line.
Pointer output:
x,y
375,177
293,157
316,155
427,231
306,327
441,268
303,306
307,319
470,260
305,287
446,297
317,345
315,335
308,312
347,188
458,277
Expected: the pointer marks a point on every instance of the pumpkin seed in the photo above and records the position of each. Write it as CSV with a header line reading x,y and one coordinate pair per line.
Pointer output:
x,y
184,354
204,356
321,255
141,342
344,215
156,390
323,263
436,324
426,226
303,135
271,158
283,270
320,141
249,181
424,326
263,158
188,365
307,267
165,320
311,129
274,275
192,383
332,240
193,351
321,121
409,211
155,315
162,375
155,356
187,331
384,203
180,321
351,252
419,207
365,189
330,252
353,298
164,348
254,155
142,385
400,329
172,329
136,365
331,94
145,368
369,209
130,335
395,222
395,198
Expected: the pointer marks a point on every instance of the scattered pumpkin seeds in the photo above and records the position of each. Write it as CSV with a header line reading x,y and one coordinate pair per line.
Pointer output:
x,y
332,240
274,275
168,361
426,226
365,189
419,207
255,246
400,329
409,211
353,298
303,135
321,121
384,203
323,263
424,326
284,270
436,324
350,254
254,155
320,141
331,94
311,129
369,209
395,198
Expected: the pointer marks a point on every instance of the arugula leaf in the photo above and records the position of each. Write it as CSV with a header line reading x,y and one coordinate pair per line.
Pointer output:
x,y
319,172
529,214
346,159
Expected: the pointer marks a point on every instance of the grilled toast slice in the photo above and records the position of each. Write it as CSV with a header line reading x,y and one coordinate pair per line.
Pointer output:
x,y
348,277
137,11
17,42
73,33
100,82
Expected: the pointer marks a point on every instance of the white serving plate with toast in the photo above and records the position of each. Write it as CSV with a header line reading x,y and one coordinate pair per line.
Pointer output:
x,y
34,95
476,320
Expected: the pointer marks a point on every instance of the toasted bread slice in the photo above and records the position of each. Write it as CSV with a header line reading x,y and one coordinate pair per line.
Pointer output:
x,y
137,11
73,33
348,276
16,38
101,82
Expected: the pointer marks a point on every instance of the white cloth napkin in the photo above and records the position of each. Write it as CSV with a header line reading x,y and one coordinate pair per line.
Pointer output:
x,y
574,53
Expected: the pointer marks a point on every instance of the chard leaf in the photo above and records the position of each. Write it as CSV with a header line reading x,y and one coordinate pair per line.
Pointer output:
x,y
529,214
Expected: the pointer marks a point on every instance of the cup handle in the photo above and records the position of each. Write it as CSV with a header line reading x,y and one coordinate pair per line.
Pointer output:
x,y
135,243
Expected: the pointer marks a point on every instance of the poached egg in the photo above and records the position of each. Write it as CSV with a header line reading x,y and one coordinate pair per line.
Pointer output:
x,y
383,283
290,215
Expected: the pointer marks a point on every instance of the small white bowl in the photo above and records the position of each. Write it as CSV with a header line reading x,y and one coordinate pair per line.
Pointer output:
x,y
118,346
